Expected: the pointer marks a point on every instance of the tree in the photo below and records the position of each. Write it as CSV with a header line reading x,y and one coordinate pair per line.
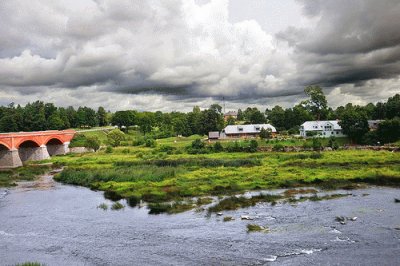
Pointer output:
x,y
392,107
276,116
102,116
145,122
389,131
253,145
123,118
265,133
115,137
92,142
317,103
55,121
230,120
354,123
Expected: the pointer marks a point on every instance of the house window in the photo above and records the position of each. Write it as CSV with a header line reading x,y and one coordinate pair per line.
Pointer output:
x,y
337,132
240,129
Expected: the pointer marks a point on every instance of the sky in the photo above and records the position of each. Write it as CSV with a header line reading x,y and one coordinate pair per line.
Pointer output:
x,y
171,55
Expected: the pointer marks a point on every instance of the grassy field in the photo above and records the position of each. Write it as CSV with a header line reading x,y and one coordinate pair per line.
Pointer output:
x,y
156,176
167,172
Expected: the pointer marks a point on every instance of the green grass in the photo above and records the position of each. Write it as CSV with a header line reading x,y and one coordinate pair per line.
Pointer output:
x,y
9,177
154,176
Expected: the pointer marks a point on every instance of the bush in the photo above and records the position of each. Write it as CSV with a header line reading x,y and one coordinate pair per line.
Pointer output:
x,y
253,146
167,149
265,133
278,147
333,143
115,137
151,143
92,142
316,144
138,142
109,149
197,144
218,147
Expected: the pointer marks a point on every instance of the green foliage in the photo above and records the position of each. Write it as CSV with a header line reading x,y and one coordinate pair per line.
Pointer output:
x,y
103,206
278,147
389,130
253,146
117,206
217,147
265,133
124,118
30,264
151,143
354,123
333,143
317,104
316,144
92,142
109,149
115,137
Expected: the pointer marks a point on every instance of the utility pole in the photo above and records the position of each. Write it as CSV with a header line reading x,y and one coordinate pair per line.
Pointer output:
x,y
223,100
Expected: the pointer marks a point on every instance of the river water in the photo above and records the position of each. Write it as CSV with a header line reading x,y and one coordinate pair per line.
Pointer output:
x,y
57,224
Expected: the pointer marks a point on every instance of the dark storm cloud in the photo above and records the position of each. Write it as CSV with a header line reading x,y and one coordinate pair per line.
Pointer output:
x,y
161,54
352,42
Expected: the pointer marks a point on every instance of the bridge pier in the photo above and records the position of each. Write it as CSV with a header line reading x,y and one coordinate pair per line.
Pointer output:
x,y
9,159
33,153
58,149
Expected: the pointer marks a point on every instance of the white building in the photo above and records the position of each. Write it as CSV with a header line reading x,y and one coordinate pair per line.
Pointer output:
x,y
245,131
323,129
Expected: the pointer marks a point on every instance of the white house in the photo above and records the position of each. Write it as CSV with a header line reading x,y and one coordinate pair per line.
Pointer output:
x,y
323,129
245,131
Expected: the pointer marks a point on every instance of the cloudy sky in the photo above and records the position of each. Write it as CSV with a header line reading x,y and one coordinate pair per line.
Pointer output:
x,y
174,54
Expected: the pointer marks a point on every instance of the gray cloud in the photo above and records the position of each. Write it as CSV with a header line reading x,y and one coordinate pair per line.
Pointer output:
x,y
175,54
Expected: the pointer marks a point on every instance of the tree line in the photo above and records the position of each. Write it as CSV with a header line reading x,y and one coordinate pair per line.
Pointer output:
x,y
353,118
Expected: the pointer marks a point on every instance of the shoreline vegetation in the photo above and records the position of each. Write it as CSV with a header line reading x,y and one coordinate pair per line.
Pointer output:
x,y
173,175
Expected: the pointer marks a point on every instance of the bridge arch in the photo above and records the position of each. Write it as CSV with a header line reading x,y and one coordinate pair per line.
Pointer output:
x,y
30,150
55,146
27,142
4,145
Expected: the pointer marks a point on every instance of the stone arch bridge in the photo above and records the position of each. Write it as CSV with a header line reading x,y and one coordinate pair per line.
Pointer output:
x,y
17,148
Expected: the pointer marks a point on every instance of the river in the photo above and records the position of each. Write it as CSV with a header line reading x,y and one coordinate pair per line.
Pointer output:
x,y
56,224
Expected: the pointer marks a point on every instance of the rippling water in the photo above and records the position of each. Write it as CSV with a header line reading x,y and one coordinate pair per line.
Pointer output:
x,y
56,224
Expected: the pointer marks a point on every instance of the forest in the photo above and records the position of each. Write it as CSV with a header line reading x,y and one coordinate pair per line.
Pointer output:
x,y
38,116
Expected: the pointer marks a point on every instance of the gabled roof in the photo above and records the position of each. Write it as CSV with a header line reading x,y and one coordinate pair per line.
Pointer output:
x,y
319,125
256,128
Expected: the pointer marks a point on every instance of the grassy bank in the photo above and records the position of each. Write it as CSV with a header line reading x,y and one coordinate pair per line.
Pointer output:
x,y
155,176
9,177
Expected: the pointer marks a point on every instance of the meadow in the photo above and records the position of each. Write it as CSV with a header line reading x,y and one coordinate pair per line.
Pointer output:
x,y
167,172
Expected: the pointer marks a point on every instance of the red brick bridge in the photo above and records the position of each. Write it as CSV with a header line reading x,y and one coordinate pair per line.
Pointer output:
x,y
17,148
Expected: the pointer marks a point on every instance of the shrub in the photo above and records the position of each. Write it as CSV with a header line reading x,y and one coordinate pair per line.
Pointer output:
x,y
253,146
316,144
125,151
115,137
109,149
278,147
167,149
92,142
265,133
218,147
138,142
197,144
151,143
333,143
